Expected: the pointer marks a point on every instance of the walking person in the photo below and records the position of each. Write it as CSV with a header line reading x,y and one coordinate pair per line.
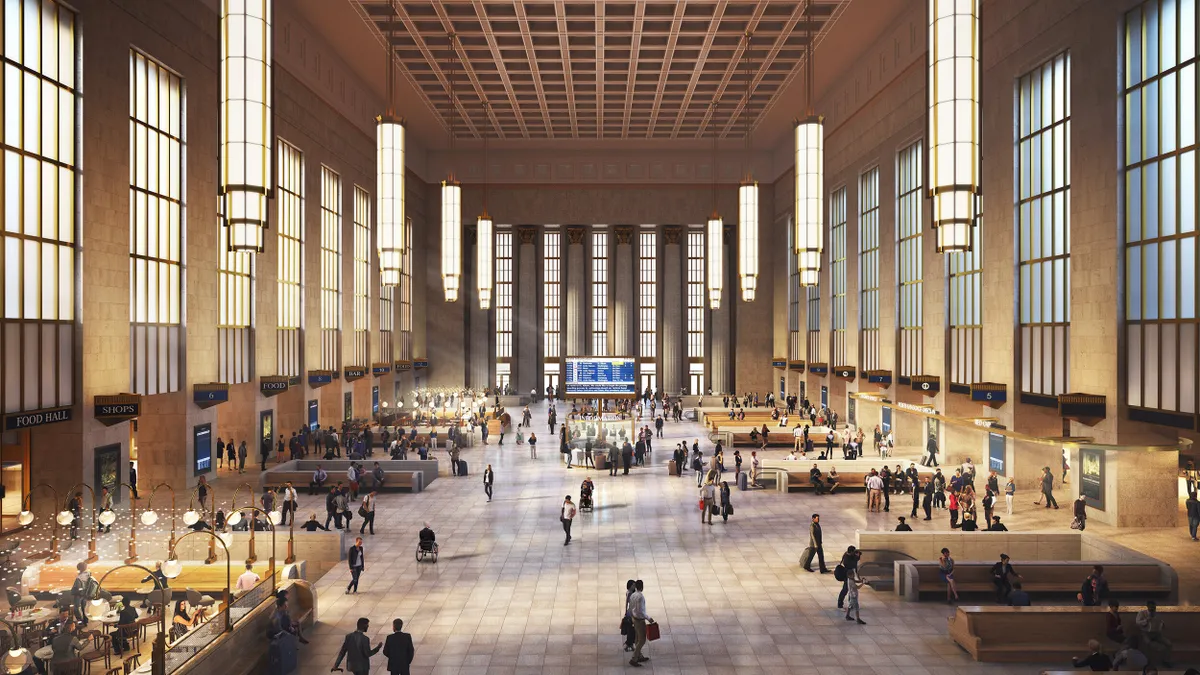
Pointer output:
x,y
814,546
488,479
1010,489
726,502
398,648
567,516
264,453
946,572
613,455
708,501
637,612
1080,512
357,651
358,562
1048,488
853,583
849,565
1193,514
367,511
532,446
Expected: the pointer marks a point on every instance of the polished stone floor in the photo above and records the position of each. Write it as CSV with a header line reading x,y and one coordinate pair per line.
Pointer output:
x,y
508,597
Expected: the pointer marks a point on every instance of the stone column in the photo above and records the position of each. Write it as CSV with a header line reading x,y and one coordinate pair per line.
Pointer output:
x,y
527,336
576,293
623,296
719,348
671,281
478,320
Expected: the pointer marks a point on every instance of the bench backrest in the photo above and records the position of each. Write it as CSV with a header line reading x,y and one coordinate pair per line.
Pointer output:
x,y
1071,574
1013,626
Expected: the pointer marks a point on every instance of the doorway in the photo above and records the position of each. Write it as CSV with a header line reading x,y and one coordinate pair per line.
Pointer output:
x,y
348,406
14,474
696,379
107,469
824,396
266,430
550,378
887,420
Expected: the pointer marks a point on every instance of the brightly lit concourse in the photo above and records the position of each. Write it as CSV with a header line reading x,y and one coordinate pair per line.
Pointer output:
x,y
578,337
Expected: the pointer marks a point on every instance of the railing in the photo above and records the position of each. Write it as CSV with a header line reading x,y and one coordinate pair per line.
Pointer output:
x,y
246,602
198,638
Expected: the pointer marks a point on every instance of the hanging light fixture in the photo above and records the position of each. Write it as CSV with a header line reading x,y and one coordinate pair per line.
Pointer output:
x,y
716,231
246,140
485,236
451,209
748,206
953,137
389,177
810,175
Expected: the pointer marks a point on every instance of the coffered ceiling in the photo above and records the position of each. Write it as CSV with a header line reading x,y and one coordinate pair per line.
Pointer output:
x,y
590,69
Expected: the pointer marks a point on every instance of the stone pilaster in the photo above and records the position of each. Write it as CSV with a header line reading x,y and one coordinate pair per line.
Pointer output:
x,y
576,293
623,297
671,282
527,311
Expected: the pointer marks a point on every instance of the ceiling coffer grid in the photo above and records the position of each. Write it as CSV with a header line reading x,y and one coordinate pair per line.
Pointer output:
x,y
596,69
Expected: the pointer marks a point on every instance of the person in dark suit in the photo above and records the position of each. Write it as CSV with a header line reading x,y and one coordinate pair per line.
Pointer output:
x,y
814,546
356,649
398,648
358,562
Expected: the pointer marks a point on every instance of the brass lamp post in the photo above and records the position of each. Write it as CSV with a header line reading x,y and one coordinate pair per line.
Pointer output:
x,y
172,567
66,517
26,517
133,556
150,516
158,664
192,516
252,557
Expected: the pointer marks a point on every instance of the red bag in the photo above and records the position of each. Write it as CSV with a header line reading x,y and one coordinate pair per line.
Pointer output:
x,y
701,503
652,632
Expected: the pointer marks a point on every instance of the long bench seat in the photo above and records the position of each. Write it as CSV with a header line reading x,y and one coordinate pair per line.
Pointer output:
x,y
917,579
393,480
742,440
998,634
847,480
299,473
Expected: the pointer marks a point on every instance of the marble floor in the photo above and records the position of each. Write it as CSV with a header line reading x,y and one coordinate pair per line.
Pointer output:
x,y
507,597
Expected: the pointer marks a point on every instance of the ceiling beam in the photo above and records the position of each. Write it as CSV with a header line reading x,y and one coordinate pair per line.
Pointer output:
x,y
490,36
635,45
564,43
448,26
773,53
599,68
713,26
676,22
527,39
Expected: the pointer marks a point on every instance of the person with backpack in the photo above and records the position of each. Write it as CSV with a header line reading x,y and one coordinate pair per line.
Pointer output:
x,y
846,570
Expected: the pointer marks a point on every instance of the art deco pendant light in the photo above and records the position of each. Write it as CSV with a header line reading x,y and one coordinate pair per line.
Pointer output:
x,y
716,231
389,177
451,208
485,236
810,176
748,205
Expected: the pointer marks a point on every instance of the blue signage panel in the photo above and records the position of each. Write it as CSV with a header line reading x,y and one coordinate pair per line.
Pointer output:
x,y
601,377
312,414
989,396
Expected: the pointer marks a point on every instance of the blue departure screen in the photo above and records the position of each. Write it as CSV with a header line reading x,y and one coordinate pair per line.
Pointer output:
x,y
601,377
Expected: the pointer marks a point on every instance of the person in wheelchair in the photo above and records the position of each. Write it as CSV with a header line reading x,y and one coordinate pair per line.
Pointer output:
x,y
585,494
428,539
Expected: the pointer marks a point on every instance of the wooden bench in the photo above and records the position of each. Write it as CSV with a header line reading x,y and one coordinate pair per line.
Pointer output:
x,y
1141,580
774,440
999,634
847,480
393,480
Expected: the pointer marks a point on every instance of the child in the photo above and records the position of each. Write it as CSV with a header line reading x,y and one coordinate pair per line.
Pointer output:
x,y
853,582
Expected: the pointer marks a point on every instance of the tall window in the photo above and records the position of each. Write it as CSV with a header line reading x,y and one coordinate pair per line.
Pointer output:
x,y
156,149
504,293
837,270
552,294
37,284
406,296
600,293
647,295
1043,224
235,312
966,322
813,318
796,349
331,269
362,277
695,294
290,275
908,259
1160,219
868,270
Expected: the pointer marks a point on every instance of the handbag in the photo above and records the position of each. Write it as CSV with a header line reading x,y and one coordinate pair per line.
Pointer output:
x,y
362,511
713,510
1075,524
729,509
652,632
702,504
626,625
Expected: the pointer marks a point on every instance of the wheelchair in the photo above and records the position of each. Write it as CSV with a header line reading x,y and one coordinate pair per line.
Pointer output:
x,y
585,500
427,549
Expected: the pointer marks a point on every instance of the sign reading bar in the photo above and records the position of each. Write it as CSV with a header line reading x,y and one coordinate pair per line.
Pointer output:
x,y
601,376
378,369
317,378
797,366
110,410
36,418
355,373
270,385
421,363
210,394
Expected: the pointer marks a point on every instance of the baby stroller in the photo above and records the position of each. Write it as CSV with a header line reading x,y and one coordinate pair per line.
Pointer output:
x,y
585,498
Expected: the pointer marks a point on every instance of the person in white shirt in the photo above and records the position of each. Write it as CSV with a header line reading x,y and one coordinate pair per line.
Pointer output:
x,y
798,438
248,580
289,503
708,494
567,515
791,456
874,490
637,612
755,468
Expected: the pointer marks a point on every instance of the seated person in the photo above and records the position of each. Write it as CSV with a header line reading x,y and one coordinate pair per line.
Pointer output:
x,y
1018,597
754,435
814,477
183,621
126,619
968,523
1130,656
791,456
66,644
996,525
585,490
312,524
775,414
833,479
281,620
1096,660
428,538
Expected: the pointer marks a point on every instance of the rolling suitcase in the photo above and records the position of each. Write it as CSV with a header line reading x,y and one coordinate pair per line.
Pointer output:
x,y
674,468
462,467
743,481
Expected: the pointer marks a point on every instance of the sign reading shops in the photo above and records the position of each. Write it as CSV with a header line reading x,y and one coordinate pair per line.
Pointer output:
x,y
36,418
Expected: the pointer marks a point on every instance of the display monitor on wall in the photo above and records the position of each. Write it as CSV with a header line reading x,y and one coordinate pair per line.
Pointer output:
x,y
601,377
202,448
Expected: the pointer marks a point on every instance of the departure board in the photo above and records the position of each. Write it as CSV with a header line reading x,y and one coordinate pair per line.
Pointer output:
x,y
600,377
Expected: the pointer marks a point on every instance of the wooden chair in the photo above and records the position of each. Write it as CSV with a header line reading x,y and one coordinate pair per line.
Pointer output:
x,y
115,670
130,634
132,663
102,651
72,667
